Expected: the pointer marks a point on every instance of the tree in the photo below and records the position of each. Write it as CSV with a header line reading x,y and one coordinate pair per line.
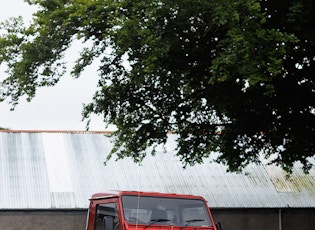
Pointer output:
x,y
233,76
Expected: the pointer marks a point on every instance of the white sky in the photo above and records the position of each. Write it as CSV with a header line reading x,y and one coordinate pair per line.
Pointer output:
x,y
53,108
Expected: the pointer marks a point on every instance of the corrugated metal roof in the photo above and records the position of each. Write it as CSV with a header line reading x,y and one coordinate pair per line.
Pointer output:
x,y
61,170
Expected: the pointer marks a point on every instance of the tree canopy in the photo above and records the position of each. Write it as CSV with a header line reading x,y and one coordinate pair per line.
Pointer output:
x,y
234,77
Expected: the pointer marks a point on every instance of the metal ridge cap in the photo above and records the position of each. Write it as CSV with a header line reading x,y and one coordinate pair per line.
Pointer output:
x,y
55,131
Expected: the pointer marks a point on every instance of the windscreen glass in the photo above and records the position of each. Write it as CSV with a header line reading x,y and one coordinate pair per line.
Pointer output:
x,y
165,211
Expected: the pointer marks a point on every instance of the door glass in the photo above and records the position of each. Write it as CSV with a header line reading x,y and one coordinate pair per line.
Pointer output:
x,y
102,210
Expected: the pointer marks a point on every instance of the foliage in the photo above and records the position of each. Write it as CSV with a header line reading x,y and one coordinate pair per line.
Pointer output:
x,y
231,76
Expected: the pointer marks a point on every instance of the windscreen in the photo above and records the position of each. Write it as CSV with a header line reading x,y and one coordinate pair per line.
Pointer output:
x,y
165,211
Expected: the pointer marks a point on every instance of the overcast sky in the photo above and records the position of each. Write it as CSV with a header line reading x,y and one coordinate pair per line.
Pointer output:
x,y
54,108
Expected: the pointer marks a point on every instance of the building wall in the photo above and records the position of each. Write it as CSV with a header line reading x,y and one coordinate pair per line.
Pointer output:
x,y
42,220
231,219
262,219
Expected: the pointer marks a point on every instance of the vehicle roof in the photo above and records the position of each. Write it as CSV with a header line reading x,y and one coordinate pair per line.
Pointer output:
x,y
117,193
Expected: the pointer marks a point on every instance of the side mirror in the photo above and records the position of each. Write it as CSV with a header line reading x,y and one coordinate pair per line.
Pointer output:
x,y
218,226
108,222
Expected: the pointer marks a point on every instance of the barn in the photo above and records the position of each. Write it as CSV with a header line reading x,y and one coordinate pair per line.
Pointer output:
x,y
47,178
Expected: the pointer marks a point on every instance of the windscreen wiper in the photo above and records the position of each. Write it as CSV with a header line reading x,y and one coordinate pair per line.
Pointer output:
x,y
153,221
191,221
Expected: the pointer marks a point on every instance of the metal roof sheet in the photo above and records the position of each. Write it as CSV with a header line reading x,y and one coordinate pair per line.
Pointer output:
x,y
61,170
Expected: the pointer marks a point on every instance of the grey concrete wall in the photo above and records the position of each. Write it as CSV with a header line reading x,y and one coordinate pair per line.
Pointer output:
x,y
231,219
262,219
42,220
